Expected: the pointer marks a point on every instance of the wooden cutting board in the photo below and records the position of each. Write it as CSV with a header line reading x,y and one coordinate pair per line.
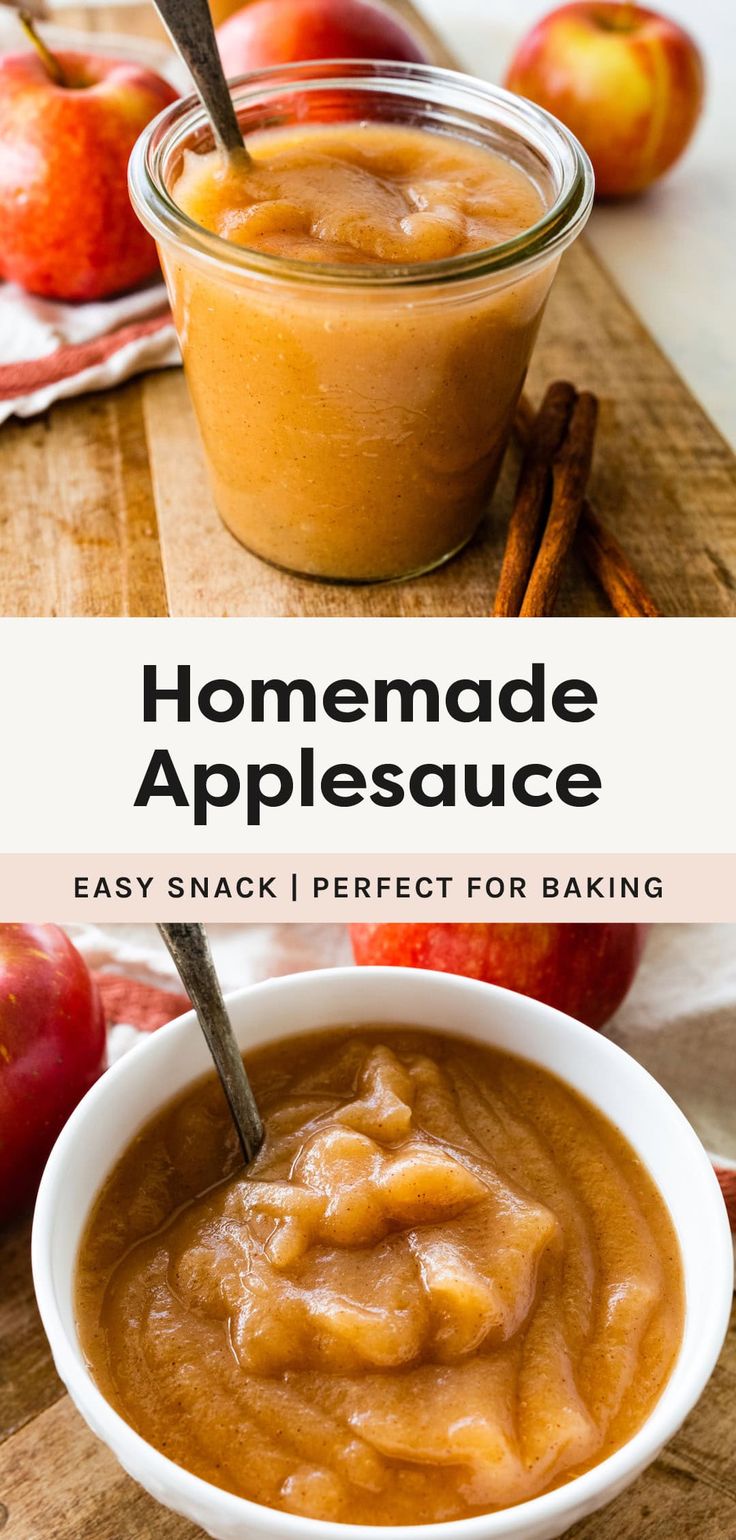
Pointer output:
x,y
105,509
58,1483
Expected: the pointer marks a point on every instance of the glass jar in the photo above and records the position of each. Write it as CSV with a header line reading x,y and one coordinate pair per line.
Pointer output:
x,y
354,418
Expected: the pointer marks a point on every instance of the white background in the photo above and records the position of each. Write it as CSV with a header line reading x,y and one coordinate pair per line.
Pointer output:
x,y
673,251
75,747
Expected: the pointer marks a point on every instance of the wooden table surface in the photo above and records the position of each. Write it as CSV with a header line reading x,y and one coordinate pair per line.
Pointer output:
x,y
58,1483
105,509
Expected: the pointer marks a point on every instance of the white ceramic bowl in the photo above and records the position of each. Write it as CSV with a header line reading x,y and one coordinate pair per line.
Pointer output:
x,y
112,1112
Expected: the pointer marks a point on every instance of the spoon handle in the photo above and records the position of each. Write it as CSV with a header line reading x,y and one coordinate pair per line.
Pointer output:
x,y
192,957
189,25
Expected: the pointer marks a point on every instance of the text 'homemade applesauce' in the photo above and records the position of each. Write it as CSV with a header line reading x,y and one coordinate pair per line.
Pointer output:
x,y
445,1285
354,428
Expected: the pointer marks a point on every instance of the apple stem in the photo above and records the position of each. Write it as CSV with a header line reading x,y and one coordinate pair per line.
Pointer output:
x,y
48,59
618,18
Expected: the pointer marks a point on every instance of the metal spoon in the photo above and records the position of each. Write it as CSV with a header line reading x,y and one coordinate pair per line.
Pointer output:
x,y
192,957
189,25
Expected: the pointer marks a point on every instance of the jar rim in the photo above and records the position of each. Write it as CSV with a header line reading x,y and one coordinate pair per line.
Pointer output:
x,y
547,237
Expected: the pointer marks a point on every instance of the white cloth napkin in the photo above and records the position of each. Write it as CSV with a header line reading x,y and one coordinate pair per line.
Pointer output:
x,y
49,351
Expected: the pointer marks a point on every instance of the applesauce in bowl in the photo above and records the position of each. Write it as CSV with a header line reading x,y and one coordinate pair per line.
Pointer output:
x,y
445,1286
357,308
151,1089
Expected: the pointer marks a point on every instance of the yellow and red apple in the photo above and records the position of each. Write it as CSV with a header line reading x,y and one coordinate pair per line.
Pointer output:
x,y
626,80
67,126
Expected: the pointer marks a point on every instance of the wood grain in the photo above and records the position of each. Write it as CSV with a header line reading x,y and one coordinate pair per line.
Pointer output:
x,y
28,1382
58,1483
105,509
78,533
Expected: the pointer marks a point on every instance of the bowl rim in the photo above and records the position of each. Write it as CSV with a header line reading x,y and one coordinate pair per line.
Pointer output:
x,y
607,1477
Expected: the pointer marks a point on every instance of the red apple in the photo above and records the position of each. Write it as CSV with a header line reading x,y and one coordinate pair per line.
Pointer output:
x,y
67,229
272,32
52,1048
585,970
628,82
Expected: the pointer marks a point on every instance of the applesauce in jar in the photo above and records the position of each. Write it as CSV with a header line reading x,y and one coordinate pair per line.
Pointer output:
x,y
445,1285
357,307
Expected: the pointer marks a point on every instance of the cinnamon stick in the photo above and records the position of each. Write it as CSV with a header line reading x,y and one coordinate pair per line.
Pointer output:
x,y
532,492
602,553
610,565
570,474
